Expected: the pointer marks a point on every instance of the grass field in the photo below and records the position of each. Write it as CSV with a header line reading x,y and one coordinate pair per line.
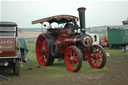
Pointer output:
x,y
58,68
115,71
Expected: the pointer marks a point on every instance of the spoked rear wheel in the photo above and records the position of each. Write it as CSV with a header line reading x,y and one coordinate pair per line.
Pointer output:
x,y
73,58
43,51
97,59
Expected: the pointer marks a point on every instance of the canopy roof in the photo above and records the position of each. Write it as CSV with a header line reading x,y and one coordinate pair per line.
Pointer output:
x,y
58,19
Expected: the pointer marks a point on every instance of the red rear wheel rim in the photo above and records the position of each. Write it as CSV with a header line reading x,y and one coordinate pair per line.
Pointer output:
x,y
96,58
71,59
42,43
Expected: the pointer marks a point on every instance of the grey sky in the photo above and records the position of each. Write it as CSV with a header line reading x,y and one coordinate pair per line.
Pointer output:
x,y
97,13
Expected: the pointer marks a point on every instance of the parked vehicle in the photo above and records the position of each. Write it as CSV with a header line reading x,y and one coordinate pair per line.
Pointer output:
x,y
117,37
9,51
68,41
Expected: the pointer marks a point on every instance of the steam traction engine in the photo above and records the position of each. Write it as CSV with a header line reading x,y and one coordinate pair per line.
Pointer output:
x,y
68,41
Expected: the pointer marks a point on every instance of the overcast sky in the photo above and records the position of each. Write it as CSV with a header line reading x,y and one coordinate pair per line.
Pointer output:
x,y
98,12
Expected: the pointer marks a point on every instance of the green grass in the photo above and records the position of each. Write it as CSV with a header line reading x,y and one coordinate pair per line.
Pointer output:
x,y
58,68
115,52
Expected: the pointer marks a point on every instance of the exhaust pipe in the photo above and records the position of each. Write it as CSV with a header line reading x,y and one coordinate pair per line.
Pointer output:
x,y
82,18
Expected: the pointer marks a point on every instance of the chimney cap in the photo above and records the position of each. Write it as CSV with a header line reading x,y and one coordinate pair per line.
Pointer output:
x,y
81,9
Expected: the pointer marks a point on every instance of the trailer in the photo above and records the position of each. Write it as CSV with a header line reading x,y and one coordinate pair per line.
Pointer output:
x,y
117,37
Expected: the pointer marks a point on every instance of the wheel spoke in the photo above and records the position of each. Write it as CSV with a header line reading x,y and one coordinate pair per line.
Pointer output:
x,y
44,43
74,65
75,53
45,58
99,61
95,62
70,53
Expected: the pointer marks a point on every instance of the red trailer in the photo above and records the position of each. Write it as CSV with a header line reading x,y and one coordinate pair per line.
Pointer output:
x,y
68,41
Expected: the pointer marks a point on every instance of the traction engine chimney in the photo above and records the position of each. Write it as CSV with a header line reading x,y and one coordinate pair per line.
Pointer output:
x,y
82,18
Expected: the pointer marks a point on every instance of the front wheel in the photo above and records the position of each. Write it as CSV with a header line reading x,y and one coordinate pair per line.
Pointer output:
x,y
97,57
73,58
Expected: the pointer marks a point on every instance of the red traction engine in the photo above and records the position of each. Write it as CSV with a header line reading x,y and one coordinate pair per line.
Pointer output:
x,y
68,41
